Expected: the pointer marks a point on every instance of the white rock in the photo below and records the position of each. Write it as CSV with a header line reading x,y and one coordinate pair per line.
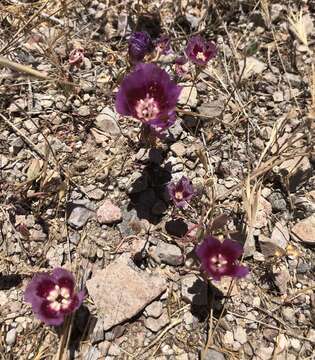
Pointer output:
x,y
10,337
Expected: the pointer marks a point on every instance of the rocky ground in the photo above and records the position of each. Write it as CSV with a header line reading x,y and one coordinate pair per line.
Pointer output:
x,y
79,189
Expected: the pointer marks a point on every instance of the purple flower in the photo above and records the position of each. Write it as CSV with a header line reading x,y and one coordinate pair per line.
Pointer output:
x,y
140,44
149,95
163,45
200,51
53,296
220,259
181,192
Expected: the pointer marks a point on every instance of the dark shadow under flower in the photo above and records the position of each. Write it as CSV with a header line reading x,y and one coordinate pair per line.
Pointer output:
x,y
53,296
181,192
200,51
140,44
220,259
149,95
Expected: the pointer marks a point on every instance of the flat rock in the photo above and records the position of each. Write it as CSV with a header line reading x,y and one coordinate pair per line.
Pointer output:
x,y
214,355
253,66
154,309
188,96
280,235
212,109
304,230
169,254
240,335
121,291
108,213
156,325
107,122
81,212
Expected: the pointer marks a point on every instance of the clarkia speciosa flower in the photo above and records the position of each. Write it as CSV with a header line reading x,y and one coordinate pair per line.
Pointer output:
x,y
140,44
181,192
53,296
200,51
149,95
220,259
76,57
163,45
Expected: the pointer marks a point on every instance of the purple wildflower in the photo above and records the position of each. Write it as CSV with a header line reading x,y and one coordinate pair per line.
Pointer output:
x,y
181,192
163,45
149,95
53,296
220,259
140,44
200,51
76,57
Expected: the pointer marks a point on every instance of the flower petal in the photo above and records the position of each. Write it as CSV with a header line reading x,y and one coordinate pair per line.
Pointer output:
x,y
64,278
39,287
231,249
48,315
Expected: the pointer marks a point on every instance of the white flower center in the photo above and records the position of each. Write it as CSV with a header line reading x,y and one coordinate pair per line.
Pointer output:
x,y
201,56
218,262
147,108
178,195
59,298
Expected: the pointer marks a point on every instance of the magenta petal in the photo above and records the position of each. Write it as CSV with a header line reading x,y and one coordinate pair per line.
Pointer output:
x,y
63,278
240,271
49,316
232,250
40,286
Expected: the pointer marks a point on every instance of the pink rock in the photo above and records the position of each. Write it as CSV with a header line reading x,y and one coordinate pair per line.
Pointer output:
x,y
108,213
121,290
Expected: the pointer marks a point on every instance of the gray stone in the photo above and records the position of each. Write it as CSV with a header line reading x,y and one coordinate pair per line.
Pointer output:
x,y
175,131
253,66
277,96
156,325
10,337
240,335
194,290
84,111
154,309
169,254
280,235
214,355
121,290
82,211
212,109
277,201
98,333
107,121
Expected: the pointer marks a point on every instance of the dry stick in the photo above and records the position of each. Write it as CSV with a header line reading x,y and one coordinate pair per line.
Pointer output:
x,y
4,62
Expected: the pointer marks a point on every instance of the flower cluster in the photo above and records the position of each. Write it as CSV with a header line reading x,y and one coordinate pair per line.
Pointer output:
x,y
53,296
148,93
